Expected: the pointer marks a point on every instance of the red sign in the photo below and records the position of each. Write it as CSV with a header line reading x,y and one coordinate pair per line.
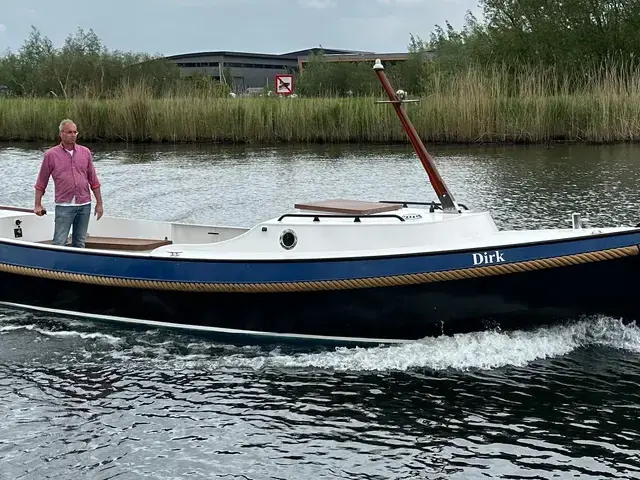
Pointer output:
x,y
284,84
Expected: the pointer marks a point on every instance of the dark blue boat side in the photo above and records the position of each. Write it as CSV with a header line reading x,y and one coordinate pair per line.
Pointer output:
x,y
144,268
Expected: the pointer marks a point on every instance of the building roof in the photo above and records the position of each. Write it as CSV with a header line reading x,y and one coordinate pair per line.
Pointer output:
x,y
221,53
290,55
327,51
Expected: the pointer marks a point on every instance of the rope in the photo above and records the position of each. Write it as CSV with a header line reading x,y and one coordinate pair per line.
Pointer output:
x,y
281,287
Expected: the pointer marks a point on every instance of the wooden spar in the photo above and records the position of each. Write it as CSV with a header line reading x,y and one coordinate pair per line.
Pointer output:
x,y
444,194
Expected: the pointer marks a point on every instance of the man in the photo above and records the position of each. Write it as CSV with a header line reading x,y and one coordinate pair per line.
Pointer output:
x,y
74,177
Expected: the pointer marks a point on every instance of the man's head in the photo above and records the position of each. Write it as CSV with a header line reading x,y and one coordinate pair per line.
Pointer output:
x,y
68,132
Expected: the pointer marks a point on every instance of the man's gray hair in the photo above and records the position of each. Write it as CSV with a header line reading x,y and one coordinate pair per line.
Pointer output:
x,y
64,122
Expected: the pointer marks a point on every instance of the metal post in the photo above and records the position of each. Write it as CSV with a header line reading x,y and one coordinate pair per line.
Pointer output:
x,y
444,194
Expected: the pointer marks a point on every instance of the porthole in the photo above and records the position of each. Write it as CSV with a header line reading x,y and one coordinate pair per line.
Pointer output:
x,y
288,239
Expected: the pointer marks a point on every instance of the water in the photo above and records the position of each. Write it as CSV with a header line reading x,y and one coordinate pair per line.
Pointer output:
x,y
80,400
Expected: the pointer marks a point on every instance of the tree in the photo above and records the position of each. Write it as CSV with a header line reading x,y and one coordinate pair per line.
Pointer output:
x,y
572,37
83,66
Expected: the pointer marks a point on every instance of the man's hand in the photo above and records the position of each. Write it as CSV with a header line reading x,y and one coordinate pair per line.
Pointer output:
x,y
38,210
99,211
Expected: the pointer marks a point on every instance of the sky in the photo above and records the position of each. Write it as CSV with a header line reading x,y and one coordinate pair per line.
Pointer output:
x,y
167,27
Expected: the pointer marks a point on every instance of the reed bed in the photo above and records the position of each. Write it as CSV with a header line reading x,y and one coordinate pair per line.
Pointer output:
x,y
473,106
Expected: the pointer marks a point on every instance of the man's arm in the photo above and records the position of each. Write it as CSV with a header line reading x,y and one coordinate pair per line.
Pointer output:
x,y
94,182
99,210
41,185
38,209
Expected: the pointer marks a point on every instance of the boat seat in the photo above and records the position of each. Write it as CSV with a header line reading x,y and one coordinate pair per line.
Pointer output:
x,y
120,243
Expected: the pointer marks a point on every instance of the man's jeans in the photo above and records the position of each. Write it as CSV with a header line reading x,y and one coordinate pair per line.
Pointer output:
x,y
68,216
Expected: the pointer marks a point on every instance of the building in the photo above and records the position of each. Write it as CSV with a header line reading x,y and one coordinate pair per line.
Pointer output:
x,y
253,71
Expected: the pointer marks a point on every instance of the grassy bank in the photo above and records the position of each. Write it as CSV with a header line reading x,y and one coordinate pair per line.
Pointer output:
x,y
472,107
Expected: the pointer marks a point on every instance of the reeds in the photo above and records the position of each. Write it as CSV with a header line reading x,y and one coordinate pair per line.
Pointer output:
x,y
476,105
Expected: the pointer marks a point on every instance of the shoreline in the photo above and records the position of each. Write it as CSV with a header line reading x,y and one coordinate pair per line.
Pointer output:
x,y
454,120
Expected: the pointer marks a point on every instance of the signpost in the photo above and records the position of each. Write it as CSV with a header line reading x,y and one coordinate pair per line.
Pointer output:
x,y
284,84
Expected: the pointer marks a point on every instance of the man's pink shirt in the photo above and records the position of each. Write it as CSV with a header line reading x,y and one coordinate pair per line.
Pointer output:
x,y
72,176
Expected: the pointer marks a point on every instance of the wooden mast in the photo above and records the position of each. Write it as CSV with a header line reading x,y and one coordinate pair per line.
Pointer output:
x,y
444,194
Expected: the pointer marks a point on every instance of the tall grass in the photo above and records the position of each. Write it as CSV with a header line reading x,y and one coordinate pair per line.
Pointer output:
x,y
476,105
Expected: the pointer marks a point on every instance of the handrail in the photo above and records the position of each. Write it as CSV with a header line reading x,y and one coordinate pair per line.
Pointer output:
x,y
316,216
405,203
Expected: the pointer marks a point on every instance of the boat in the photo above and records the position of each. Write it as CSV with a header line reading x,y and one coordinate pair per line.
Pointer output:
x,y
335,270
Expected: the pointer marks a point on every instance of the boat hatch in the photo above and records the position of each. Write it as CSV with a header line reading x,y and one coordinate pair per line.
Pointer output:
x,y
349,207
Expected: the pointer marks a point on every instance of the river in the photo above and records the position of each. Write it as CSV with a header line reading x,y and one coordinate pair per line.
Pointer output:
x,y
81,400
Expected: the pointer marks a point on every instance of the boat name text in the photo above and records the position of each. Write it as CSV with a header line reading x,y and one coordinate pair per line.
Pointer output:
x,y
486,258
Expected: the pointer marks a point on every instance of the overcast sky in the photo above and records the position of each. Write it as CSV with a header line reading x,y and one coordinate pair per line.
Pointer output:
x,y
270,26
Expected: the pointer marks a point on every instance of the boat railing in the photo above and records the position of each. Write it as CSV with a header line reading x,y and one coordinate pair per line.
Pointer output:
x,y
356,218
433,205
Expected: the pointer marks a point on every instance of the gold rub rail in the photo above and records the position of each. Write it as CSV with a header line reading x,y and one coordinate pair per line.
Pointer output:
x,y
280,287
